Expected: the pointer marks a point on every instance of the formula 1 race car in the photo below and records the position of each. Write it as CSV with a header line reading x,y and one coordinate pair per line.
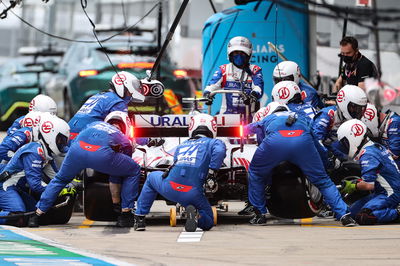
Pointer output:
x,y
289,196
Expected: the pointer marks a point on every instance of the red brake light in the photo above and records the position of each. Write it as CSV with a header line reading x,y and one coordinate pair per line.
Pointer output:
x,y
132,132
136,65
86,73
180,73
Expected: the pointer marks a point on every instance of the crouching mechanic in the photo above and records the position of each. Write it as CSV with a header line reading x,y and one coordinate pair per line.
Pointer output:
x,y
237,75
103,147
287,137
24,172
200,155
379,174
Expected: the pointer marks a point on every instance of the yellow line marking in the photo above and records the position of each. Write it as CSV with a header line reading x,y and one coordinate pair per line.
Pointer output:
x,y
86,223
354,227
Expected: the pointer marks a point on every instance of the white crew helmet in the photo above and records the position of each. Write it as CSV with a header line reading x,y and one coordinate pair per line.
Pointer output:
x,y
351,102
240,43
124,81
53,134
202,124
371,119
43,103
286,70
285,92
32,120
352,136
122,121
271,108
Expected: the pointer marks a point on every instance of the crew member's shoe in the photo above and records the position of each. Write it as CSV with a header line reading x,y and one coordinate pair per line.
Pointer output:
x,y
248,209
33,220
347,221
125,219
191,219
140,223
258,219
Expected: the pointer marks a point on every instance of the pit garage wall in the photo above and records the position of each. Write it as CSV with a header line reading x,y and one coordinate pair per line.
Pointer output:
x,y
291,39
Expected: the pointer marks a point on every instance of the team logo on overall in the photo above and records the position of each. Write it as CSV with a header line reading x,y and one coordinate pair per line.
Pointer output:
x,y
47,126
357,129
119,79
41,152
303,95
340,96
283,93
369,114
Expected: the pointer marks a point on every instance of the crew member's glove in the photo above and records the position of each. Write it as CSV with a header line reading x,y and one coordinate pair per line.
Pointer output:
x,y
348,187
69,190
206,94
155,142
255,95
211,181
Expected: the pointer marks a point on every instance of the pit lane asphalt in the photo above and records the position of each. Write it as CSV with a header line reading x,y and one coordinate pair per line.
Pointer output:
x,y
316,241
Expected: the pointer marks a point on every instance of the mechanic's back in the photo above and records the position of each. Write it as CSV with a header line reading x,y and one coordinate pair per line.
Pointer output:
x,y
194,157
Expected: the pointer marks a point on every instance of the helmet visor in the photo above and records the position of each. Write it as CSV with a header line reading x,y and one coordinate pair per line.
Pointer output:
x,y
286,78
61,142
344,145
118,124
356,111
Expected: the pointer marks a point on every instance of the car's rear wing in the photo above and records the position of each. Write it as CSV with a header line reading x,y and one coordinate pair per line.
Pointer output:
x,y
228,125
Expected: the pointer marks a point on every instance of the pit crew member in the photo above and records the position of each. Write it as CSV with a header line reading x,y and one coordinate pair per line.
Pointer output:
x,y
379,174
28,132
40,103
124,86
289,93
385,129
287,136
200,155
24,172
289,70
239,74
104,147
351,102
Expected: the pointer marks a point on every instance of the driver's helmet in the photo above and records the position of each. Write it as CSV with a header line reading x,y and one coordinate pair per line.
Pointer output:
x,y
124,82
121,121
371,119
43,103
286,70
285,92
53,134
351,101
271,108
202,124
352,135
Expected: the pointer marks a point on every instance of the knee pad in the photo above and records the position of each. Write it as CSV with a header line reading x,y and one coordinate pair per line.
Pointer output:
x,y
365,217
